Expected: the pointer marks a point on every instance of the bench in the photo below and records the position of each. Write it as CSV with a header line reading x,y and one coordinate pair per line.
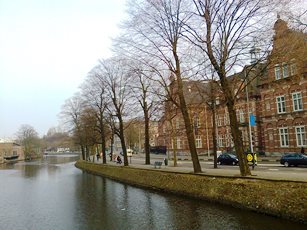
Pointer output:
x,y
158,164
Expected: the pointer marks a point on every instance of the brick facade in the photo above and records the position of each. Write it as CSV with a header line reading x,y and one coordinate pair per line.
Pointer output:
x,y
277,97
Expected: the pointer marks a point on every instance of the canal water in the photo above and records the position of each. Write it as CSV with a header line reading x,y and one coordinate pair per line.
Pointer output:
x,y
53,194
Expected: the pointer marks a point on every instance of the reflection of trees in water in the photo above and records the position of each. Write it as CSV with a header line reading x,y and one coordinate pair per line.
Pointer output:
x,y
30,170
60,159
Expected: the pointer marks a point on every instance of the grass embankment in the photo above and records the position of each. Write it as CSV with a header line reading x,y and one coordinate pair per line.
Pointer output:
x,y
284,199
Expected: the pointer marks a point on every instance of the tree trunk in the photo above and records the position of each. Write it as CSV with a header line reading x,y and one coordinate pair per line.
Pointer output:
x,y
235,131
83,152
185,114
188,127
174,140
214,134
103,142
175,149
122,140
146,144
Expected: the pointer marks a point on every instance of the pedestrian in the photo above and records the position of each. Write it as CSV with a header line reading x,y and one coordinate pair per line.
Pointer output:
x,y
118,160
302,150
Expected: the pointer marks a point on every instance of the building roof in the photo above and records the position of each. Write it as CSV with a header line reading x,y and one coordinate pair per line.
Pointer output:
x,y
6,140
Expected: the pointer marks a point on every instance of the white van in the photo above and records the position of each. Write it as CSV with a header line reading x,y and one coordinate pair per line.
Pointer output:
x,y
129,152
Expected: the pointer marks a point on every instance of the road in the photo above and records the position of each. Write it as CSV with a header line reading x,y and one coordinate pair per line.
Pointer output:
x,y
268,170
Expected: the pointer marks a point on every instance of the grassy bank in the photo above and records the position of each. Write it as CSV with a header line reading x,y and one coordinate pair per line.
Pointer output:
x,y
284,199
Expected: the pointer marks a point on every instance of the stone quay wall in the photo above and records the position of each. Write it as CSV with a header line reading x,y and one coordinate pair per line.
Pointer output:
x,y
285,199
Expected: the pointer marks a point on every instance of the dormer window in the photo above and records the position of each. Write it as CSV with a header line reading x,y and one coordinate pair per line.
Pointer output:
x,y
292,68
285,72
277,72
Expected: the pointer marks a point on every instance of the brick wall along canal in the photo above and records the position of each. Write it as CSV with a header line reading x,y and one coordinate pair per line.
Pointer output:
x,y
53,194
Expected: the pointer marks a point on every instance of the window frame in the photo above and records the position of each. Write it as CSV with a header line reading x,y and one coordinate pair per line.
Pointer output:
x,y
297,102
220,140
281,104
300,136
198,141
285,70
277,71
241,116
293,69
284,136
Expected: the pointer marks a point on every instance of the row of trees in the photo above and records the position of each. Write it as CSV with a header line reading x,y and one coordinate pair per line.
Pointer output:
x,y
163,43
33,145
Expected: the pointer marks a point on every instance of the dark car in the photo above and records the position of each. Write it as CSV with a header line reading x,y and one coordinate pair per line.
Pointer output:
x,y
227,159
294,159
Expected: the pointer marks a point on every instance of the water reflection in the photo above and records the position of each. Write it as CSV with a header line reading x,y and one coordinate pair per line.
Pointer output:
x,y
53,194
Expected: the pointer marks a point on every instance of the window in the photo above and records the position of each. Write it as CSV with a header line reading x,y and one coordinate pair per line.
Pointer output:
x,y
297,101
284,137
285,72
277,72
292,69
226,119
198,142
300,135
178,143
228,140
241,116
281,104
220,140
218,120
197,122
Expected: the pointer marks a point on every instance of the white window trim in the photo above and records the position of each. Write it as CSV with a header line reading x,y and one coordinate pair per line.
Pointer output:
x,y
284,137
179,143
220,140
300,136
281,105
198,142
297,102
292,68
285,69
277,76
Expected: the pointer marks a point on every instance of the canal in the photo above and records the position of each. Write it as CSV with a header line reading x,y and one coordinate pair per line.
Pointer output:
x,y
52,194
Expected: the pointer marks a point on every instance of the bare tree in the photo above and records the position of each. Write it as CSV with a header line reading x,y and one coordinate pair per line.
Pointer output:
x,y
29,139
115,75
155,30
71,117
229,33
143,89
96,97
88,128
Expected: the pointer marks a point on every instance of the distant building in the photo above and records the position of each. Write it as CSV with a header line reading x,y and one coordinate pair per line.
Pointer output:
x,y
10,148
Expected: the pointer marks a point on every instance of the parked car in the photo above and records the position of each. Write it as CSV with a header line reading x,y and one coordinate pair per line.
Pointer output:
x,y
294,159
227,159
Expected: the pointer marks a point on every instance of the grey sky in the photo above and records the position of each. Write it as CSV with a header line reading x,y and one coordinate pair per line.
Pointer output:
x,y
46,49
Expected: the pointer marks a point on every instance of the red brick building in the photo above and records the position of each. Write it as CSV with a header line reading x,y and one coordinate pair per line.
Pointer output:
x,y
277,98
284,92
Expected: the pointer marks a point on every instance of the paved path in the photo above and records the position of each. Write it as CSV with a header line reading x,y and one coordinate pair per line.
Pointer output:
x,y
271,170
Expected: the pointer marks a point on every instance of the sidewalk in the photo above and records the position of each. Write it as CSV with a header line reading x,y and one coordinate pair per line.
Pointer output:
x,y
296,174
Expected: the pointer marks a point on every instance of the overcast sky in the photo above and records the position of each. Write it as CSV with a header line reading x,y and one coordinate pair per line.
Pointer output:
x,y
47,47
